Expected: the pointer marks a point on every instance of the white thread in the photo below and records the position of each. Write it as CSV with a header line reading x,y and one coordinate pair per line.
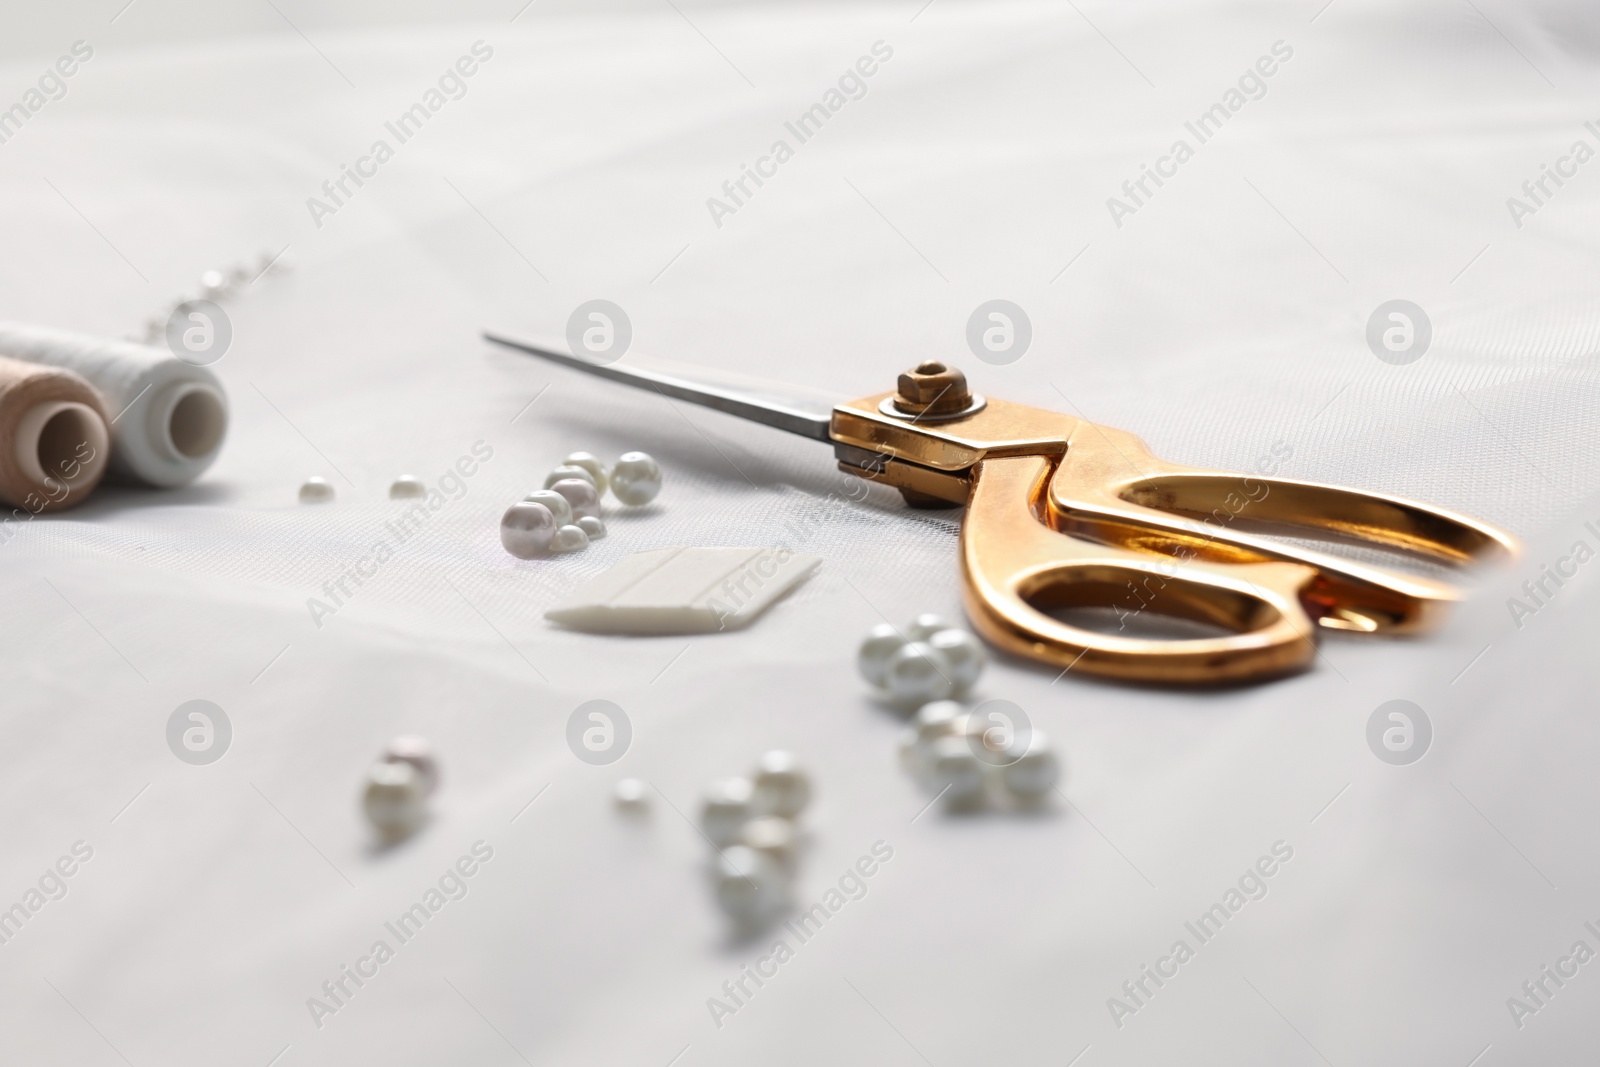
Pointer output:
x,y
168,417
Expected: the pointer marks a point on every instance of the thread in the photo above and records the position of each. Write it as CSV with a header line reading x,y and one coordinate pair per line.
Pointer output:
x,y
168,417
54,444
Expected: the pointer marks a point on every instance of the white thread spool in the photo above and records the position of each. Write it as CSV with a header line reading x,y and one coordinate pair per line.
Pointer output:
x,y
170,416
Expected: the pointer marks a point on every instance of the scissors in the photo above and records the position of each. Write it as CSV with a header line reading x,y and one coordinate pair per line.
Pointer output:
x,y
1063,514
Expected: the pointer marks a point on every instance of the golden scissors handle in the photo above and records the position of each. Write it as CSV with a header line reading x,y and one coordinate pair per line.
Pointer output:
x,y
1063,515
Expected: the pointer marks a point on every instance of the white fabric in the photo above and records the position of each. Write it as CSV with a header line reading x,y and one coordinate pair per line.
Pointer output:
x,y
1223,318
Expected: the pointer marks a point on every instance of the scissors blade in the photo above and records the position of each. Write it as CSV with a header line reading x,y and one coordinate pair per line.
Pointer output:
x,y
785,407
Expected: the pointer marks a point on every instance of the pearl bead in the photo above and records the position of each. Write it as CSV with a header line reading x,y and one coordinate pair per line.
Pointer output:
x,y
600,473
1036,773
781,786
954,769
636,479
580,495
938,718
555,502
419,754
569,539
882,641
632,796
406,487
750,885
772,837
394,800
965,654
592,526
725,809
925,626
316,490
214,285
917,673
563,472
526,530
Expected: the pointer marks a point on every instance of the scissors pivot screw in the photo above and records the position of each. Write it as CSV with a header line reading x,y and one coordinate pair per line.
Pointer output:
x,y
933,388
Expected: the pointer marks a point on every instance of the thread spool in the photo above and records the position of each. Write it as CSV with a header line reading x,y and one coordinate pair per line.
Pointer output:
x,y
171,416
54,443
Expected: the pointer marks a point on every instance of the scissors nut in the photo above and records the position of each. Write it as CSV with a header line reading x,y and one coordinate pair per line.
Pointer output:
x,y
932,388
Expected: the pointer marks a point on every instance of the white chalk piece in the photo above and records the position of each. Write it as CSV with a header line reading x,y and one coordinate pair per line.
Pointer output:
x,y
168,417
684,591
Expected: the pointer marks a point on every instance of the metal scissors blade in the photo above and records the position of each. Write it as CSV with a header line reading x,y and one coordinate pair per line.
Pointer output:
x,y
785,407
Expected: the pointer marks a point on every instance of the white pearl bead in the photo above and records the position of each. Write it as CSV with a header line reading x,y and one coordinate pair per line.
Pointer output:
x,y
781,785
569,539
592,526
938,718
917,673
636,479
965,654
632,796
750,886
1036,773
925,626
954,769
564,472
394,800
316,490
214,285
590,462
772,837
417,752
725,809
580,495
406,487
882,641
555,502
526,530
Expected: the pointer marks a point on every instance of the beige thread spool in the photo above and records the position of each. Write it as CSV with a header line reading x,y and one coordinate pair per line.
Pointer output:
x,y
54,442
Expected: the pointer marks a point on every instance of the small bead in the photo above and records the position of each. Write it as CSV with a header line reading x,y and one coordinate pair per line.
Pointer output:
x,y
881,642
580,495
632,796
526,530
417,752
916,674
781,786
725,809
394,799
955,770
938,718
1036,773
750,886
555,502
406,487
772,837
569,539
636,479
592,526
214,285
590,462
925,626
563,472
316,490
965,654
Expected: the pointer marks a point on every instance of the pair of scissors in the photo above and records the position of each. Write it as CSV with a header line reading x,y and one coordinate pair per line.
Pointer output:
x,y
1063,514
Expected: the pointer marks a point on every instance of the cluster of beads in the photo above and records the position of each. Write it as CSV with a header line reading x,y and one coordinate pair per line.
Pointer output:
x,y
215,286
956,755
929,660
753,825
395,797
564,516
